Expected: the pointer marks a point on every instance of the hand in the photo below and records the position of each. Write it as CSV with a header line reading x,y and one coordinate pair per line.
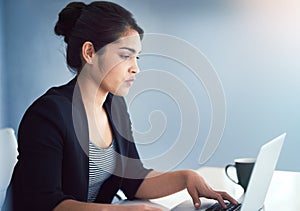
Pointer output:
x,y
197,187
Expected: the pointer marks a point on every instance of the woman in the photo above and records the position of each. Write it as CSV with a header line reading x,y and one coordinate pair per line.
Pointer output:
x,y
75,144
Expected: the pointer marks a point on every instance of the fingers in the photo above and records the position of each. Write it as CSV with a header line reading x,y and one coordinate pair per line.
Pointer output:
x,y
220,199
226,196
195,197
221,196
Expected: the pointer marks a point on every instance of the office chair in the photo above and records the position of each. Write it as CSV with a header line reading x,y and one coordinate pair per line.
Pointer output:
x,y
8,159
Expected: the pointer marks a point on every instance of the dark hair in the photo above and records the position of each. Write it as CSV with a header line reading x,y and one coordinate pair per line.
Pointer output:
x,y
99,22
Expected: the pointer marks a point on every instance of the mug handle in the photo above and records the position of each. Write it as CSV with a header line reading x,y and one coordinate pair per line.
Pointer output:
x,y
226,168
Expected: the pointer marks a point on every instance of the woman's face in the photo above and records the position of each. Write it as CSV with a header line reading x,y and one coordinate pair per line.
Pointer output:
x,y
118,62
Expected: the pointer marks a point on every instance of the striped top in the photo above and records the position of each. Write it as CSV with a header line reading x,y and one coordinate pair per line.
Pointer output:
x,y
102,163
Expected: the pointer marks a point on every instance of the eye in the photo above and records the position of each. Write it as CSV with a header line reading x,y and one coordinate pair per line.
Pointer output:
x,y
125,56
137,57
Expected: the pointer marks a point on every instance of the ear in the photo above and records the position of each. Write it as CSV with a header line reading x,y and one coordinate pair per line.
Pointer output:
x,y
88,52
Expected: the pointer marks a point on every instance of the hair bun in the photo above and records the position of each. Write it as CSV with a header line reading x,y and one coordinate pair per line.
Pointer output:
x,y
67,19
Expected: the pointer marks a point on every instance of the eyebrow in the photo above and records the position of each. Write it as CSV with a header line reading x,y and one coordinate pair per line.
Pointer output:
x,y
129,49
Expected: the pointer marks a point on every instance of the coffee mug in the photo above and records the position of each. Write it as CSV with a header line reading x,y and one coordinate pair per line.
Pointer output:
x,y
243,167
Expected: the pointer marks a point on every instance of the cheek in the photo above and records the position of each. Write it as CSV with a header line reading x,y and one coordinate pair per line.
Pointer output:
x,y
107,64
118,72
114,82
113,79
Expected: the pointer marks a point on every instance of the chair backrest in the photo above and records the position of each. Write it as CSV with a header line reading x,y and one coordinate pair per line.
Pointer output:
x,y
8,159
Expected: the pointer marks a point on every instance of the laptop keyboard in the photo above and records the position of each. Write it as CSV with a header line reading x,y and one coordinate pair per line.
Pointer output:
x,y
230,207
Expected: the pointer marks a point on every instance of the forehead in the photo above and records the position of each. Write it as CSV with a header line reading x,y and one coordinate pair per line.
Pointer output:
x,y
130,39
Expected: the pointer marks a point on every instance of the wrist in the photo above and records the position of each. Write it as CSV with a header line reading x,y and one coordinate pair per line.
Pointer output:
x,y
188,176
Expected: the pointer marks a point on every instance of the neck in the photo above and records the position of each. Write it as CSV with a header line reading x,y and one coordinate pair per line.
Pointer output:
x,y
92,94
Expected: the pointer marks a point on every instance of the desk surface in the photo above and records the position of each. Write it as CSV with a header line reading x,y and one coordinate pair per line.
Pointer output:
x,y
283,193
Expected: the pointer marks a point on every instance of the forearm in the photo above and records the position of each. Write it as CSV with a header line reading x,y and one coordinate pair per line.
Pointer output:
x,y
73,205
79,206
158,184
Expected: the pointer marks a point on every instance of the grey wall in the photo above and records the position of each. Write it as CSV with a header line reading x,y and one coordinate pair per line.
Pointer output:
x,y
2,87
254,48
36,56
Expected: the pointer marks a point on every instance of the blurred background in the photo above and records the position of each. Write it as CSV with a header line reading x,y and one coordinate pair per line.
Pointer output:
x,y
254,47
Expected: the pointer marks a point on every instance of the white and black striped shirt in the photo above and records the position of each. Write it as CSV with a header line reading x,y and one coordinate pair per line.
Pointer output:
x,y
102,163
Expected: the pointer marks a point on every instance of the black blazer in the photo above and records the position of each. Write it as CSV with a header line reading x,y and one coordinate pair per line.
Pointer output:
x,y
53,162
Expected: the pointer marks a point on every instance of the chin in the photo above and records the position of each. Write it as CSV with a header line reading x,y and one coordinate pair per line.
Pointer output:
x,y
121,93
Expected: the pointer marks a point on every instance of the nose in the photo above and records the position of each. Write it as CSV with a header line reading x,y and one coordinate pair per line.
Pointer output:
x,y
134,67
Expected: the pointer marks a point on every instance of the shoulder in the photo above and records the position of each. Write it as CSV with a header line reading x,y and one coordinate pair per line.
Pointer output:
x,y
59,96
65,91
53,105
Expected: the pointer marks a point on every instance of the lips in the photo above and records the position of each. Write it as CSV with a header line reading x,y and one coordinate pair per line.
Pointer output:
x,y
130,81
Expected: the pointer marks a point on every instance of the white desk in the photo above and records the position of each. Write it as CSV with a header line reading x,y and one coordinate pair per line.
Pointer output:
x,y
283,193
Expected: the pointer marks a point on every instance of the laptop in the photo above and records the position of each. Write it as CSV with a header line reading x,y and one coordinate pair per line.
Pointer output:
x,y
259,181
